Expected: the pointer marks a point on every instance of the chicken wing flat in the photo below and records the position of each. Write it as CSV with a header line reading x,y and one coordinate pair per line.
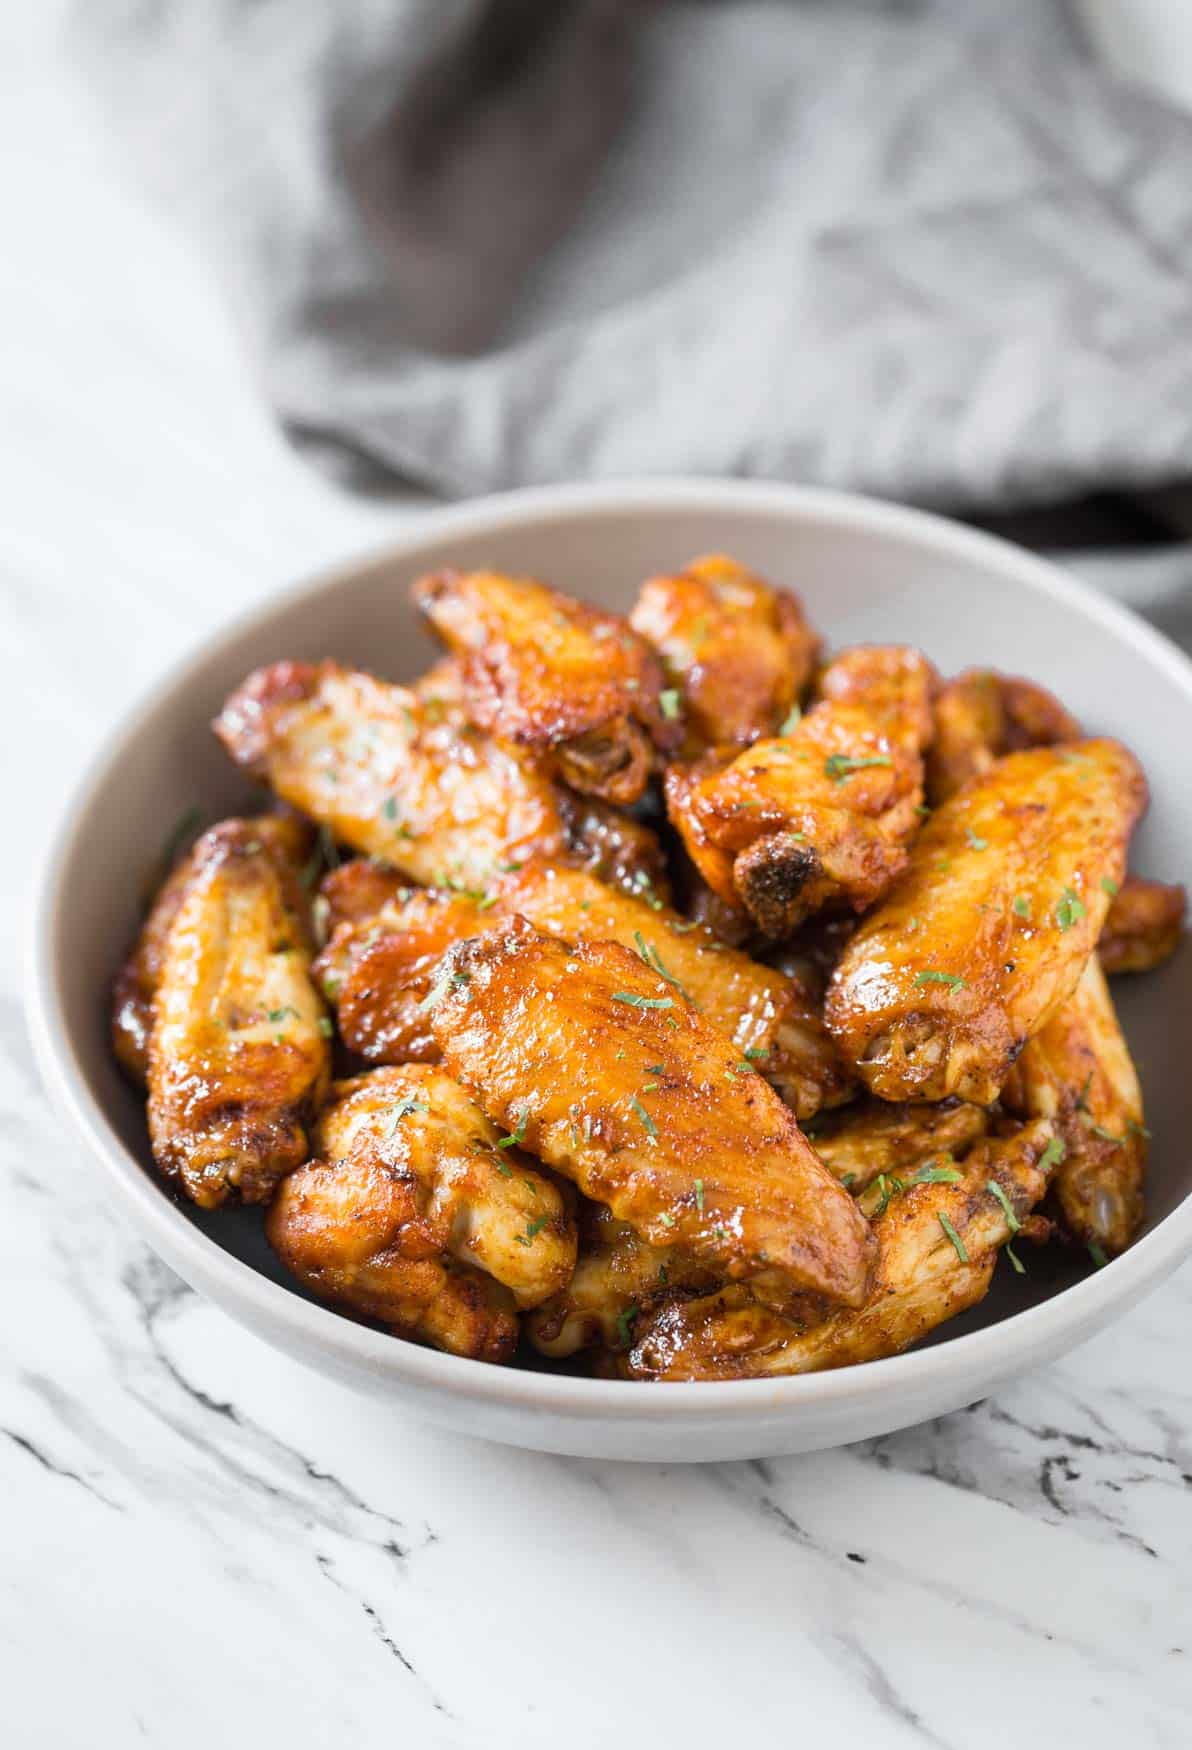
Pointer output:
x,y
551,674
1144,926
981,715
938,1242
823,814
990,927
238,1055
738,651
378,971
872,1141
411,1191
665,1122
617,1277
390,776
1077,1071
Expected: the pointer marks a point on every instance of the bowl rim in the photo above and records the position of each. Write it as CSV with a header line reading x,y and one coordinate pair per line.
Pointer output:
x,y
241,1290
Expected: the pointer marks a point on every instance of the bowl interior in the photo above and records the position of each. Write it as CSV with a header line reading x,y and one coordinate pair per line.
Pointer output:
x,y
862,580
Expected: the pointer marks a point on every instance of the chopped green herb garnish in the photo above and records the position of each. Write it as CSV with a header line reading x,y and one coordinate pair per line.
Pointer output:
x,y
975,843
518,1136
1012,1221
1016,1261
848,1180
325,1027
650,1087
1109,887
389,808
636,1002
509,868
403,1108
668,699
839,766
653,960
793,717
648,1122
1022,905
447,978
952,979
625,1319
755,1053
656,1069
930,1175
667,1219
1069,910
681,926
955,1238
1136,1129
699,1195
1082,1097
280,1014
1053,1154
329,848
889,1186
1097,1254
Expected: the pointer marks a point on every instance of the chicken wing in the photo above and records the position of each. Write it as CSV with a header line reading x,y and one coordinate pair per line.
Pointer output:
x,y
618,1275
1144,926
1077,1071
824,813
991,926
737,651
874,1141
664,1122
378,972
937,1245
551,674
981,715
390,776
238,1054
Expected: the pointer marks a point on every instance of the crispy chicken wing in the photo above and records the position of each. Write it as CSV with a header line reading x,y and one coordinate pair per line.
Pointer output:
x,y
937,1245
989,929
737,650
873,1141
551,674
617,1277
1077,1071
389,775
663,1121
411,1188
238,1058
981,715
378,972
135,988
1144,926
824,813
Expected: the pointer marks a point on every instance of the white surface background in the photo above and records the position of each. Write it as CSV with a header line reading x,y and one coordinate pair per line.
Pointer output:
x,y
200,1542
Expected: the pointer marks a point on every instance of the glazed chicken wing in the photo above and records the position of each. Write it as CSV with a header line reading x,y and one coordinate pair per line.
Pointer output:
x,y
981,715
379,970
390,775
1144,926
938,1242
823,814
605,1070
991,926
738,651
238,1055
1077,1071
550,674
872,1140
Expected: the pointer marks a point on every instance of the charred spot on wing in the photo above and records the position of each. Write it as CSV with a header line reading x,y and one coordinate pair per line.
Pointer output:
x,y
771,876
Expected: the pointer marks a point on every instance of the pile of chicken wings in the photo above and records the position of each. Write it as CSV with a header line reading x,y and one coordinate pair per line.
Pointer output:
x,y
701,1005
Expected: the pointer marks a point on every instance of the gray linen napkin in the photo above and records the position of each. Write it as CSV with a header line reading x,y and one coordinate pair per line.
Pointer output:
x,y
924,250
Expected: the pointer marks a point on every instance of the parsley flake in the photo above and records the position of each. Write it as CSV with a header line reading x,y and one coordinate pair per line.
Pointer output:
x,y
955,1238
518,1136
625,1319
839,766
1053,1154
953,980
699,1195
636,1002
793,717
1070,910
1022,905
1012,1221
1109,887
650,1127
1097,1254
975,843
668,699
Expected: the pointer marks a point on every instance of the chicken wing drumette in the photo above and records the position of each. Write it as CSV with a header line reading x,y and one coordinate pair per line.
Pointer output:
x,y
873,1141
605,1070
937,1241
824,813
981,715
415,1215
1144,926
550,674
238,1054
991,926
378,971
738,652
1078,1072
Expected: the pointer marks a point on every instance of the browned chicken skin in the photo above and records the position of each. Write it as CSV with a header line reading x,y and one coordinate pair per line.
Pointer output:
x,y
981,715
551,674
664,1123
991,926
414,1215
1077,1071
391,776
824,813
379,970
1144,927
925,1274
238,1058
738,651
873,1140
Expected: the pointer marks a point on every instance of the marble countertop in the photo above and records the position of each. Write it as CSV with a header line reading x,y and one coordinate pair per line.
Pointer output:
x,y
198,1539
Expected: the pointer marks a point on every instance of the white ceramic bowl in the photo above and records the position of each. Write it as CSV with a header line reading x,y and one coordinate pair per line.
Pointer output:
x,y
867,571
